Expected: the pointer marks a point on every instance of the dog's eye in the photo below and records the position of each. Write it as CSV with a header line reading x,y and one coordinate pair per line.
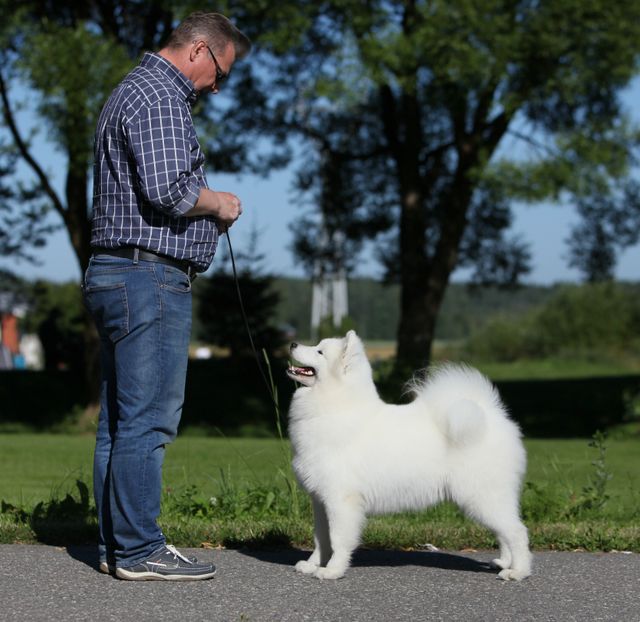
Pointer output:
x,y
320,352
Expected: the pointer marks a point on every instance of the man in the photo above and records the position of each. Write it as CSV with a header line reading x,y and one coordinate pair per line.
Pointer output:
x,y
155,225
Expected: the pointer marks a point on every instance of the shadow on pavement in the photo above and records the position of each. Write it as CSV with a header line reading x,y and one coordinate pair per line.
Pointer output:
x,y
88,555
367,558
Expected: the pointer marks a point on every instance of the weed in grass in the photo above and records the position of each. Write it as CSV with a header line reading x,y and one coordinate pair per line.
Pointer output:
x,y
70,507
594,495
541,502
235,500
16,513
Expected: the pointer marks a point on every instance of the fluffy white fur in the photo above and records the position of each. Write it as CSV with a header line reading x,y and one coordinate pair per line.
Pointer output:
x,y
356,455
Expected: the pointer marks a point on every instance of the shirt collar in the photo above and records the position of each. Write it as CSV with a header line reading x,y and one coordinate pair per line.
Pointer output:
x,y
151,60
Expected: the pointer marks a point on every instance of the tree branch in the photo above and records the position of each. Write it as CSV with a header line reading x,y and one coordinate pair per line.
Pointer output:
x,y
24,151
534,143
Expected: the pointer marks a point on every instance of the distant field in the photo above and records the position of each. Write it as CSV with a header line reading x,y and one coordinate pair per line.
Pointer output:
x,y
540,369
380,350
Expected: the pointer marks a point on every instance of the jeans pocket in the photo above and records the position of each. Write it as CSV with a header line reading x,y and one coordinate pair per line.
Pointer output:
x,y
176,280
109,307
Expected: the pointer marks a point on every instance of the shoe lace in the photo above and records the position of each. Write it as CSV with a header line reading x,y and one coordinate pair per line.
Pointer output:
x,y
177,553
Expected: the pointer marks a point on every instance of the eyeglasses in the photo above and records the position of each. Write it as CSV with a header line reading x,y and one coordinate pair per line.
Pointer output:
x,y
221,76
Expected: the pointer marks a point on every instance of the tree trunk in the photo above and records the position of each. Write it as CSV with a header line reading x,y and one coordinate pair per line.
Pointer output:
x,y
417,322
424,280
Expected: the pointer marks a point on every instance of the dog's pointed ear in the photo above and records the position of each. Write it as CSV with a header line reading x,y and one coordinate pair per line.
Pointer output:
x,y
351,340
352,349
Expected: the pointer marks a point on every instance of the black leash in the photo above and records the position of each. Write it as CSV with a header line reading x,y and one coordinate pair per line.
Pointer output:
x,y
268,384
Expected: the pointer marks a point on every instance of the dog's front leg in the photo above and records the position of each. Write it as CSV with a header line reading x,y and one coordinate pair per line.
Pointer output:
x,y
346,520
322,550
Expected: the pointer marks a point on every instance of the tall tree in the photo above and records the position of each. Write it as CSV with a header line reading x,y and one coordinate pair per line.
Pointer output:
x,y
610,223
426,92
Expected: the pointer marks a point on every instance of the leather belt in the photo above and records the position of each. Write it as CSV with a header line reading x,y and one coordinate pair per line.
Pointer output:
x,y
132,252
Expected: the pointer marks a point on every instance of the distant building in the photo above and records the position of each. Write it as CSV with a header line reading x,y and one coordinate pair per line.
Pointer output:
x,y
17,351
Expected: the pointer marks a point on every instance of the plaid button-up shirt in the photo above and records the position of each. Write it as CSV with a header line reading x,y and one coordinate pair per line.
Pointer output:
x,y
148,167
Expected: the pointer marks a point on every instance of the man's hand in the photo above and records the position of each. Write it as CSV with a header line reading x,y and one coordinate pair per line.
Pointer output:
x,y
223,206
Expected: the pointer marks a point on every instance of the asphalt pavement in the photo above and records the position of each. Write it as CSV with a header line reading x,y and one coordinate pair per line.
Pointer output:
x,y
39,582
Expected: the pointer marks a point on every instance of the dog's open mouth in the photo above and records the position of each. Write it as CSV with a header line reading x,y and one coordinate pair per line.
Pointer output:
x,y
301,373
307,372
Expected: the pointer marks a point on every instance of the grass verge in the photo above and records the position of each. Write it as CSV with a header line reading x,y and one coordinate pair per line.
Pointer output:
x,y
240,492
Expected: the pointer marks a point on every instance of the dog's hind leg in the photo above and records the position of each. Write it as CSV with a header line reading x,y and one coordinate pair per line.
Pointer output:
x,y
514,534
322,551
504,561
515,557
346,520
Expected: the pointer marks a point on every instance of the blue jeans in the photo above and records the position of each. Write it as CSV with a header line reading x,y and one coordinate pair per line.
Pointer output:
x,y
142,311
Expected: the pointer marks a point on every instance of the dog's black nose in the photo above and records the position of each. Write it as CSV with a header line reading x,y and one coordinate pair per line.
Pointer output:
x,y
294,345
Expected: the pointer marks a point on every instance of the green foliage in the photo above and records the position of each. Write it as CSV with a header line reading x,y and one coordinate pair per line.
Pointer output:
x,y
502,340
69,507
375,307
577,320
440,85
610,222
73,68
328,329
67,520
547,502
70,55
594,495
235,500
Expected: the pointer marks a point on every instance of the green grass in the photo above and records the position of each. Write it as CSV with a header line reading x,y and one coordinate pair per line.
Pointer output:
x,y
235,492
35,466
556,368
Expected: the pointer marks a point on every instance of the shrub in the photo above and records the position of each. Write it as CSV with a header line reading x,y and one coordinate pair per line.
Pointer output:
x,y
577,320
503,340
587,317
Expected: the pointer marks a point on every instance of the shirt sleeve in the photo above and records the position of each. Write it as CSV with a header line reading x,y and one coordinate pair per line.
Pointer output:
x,y
160,143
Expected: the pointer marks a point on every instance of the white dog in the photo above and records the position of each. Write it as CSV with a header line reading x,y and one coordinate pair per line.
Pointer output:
x,y
356,455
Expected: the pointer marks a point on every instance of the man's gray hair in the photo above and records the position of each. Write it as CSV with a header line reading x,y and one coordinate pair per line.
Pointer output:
x,y
214,28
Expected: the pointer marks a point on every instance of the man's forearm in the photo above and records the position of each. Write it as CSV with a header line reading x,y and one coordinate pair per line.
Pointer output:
x,y
208,204
223,206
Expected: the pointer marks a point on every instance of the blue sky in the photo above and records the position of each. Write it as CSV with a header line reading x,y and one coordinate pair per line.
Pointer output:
x,y
269,206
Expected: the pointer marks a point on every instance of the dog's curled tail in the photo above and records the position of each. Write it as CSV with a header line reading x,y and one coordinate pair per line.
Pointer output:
x,y
459,399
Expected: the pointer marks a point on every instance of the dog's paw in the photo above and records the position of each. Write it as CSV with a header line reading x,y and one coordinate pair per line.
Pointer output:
x,y
329,573
512,574
306,567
